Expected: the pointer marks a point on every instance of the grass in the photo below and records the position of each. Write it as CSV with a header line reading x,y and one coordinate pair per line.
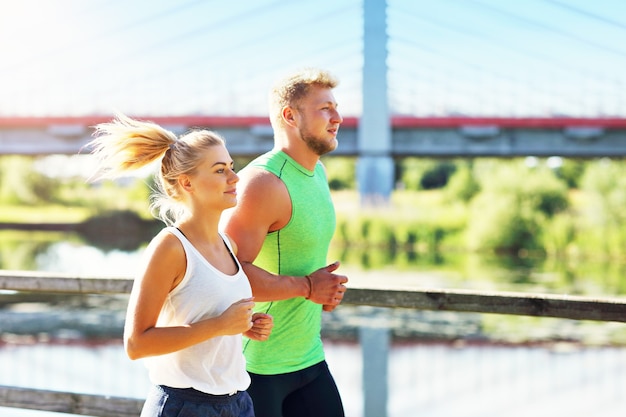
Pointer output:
x,y
43,214
81,202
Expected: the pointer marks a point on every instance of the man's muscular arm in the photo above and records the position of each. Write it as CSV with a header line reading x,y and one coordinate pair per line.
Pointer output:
x,y
264,206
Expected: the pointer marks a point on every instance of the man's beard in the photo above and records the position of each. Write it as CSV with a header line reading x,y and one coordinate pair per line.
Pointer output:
x,y
318,146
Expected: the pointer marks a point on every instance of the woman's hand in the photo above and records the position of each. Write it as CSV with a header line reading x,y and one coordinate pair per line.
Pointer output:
x,y
238,318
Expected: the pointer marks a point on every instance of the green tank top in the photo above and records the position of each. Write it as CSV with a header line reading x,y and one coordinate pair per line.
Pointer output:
x,y
298,249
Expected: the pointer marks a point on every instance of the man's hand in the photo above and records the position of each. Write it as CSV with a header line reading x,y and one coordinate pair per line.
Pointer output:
x,y
327,288
262,325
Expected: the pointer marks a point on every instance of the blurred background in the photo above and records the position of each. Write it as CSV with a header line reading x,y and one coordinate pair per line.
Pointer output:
x,y
548,223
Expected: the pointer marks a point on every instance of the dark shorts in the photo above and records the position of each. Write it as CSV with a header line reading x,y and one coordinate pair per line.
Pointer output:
x,y
164,401
311,392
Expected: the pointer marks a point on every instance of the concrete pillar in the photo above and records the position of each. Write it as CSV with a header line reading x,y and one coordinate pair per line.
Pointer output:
x,y
375,167
374,342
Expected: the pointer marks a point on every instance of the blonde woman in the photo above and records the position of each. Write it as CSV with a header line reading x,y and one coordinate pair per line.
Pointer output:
x,y
191,300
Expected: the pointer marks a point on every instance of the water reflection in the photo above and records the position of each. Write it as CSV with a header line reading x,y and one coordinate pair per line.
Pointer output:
x,y
111,246
73,253
122,230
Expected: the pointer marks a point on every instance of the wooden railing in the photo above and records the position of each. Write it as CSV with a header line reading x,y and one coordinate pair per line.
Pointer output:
x,y
541,305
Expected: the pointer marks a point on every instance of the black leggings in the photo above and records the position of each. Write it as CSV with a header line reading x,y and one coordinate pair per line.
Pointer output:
x,y
311,392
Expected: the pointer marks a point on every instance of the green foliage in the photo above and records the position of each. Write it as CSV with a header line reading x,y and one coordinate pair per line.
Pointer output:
x,y
424,174
604,184
381,229
559,233
410,172
571,171
500,224
511,210
437,176
463,185
21,184
341,172
512,207
536,188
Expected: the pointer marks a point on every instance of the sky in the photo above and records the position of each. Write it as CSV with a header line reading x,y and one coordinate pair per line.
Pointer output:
x,y
511,58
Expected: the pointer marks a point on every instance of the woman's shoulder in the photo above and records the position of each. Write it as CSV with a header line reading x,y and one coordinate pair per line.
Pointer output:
x,y
166,241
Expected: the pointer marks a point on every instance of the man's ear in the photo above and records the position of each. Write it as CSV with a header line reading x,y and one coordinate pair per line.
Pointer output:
x,y
289,115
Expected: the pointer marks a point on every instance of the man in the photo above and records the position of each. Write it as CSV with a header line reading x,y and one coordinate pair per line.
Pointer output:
x,y
283,224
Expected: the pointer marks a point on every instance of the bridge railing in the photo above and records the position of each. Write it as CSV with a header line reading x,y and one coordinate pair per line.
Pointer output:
x,y
525,304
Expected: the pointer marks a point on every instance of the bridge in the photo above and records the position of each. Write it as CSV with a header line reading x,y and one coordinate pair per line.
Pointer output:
x,y
434,137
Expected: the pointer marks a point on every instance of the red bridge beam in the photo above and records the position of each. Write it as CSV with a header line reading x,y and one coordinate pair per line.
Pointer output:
x,y
396,121
507,122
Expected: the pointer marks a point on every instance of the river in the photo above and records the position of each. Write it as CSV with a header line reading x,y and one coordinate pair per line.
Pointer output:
x,y
434,380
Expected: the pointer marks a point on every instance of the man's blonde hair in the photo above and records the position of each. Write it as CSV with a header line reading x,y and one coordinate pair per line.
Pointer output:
x,y
289,90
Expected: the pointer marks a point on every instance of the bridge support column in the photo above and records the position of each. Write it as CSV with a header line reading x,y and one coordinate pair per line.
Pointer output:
x,y
375,166
375,342
375,175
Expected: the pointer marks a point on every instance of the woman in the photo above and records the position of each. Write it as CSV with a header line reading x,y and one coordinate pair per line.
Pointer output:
x,y
191,301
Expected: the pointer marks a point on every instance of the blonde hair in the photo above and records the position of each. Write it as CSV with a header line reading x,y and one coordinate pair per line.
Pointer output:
x,y
289,90
124,145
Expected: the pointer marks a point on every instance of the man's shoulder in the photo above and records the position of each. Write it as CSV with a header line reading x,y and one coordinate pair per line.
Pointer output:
x,y
263,199
271,161
265,167
258,180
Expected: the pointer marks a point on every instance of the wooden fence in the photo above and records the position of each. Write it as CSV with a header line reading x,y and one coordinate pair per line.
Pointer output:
x,y
541,305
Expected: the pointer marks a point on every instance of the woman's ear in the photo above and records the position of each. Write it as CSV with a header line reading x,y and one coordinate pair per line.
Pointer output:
x,y
185,182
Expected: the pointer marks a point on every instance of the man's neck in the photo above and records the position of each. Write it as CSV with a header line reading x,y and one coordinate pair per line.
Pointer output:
x,y
298,151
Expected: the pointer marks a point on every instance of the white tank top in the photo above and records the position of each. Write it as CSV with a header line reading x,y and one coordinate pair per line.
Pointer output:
x,y
216,366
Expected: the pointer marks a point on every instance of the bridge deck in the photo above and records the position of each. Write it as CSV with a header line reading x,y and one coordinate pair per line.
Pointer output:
x,y
411,136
